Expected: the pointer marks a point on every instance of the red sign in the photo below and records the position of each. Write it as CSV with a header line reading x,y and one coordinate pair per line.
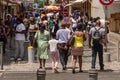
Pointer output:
x,y
106,2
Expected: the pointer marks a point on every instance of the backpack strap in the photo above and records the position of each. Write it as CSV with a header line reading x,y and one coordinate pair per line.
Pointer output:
x,y
97,29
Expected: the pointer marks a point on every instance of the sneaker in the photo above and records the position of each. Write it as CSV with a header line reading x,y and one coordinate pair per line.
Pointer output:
x,y
19,59
55,70
12,59
63,68
93,68
73,71
40,67
80,71
102,68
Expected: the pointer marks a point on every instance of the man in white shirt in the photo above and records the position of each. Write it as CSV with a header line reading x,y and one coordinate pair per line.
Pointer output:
x,y
20,39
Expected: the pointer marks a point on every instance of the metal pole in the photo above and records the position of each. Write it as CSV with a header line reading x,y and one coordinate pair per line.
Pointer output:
x,y
1,55
93,74
30,54
26,45
41,74
106,24
118,51
68,1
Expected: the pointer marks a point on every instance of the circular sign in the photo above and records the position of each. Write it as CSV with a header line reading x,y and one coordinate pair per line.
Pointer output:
x,y
106,2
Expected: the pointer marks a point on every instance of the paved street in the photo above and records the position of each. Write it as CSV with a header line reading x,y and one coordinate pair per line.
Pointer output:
x,y
21,19
27,71
60,76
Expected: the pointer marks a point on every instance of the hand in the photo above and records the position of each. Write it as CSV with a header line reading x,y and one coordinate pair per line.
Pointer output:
x,y
70,48
89,45
65,47
105,49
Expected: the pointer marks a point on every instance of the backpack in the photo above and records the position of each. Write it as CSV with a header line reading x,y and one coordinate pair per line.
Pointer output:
x,y
96,37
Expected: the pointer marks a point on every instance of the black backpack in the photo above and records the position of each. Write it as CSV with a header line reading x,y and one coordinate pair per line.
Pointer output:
x,y
96,37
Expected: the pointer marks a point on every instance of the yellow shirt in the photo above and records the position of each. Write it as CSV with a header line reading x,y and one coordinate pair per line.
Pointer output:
x,y
78,41
42,15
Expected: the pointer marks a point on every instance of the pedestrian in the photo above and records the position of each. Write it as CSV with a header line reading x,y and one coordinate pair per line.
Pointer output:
x,y
77,48
19,40
51,24
4,31
9,23
32,30
62,36
97,36
53,45
74,23
42,37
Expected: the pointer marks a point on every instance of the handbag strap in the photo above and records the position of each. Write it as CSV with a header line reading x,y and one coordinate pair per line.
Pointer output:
x,y
37,35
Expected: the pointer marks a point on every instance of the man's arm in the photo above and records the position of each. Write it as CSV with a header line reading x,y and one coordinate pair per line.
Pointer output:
x,y
89,40
22,32
104,43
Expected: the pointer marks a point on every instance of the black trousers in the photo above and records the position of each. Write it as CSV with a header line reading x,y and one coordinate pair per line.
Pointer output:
x,y
4,40
63,55
97,50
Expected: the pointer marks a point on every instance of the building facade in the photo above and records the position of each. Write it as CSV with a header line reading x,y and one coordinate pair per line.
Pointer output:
x,y
8,7
97,9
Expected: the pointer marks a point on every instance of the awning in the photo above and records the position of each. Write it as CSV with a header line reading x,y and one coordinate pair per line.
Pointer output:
x,y
116,2
15,1
4,3
10,2
77,2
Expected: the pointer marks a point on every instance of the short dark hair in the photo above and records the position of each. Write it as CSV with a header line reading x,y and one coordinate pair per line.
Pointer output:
x,y
53,35
41,26
0,21
79,26
19,20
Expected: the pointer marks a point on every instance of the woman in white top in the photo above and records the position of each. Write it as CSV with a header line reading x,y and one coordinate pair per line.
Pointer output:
x,y
74,23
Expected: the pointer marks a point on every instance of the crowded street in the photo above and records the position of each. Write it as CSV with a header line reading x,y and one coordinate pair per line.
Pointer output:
x,y
50,39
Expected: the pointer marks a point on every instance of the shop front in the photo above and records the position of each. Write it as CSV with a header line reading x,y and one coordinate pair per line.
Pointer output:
x,y
83,6
95,9
8,7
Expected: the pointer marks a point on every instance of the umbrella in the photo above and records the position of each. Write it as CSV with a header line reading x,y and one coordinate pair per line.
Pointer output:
x,y
52,7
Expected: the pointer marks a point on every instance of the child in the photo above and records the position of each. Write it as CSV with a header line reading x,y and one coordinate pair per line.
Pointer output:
x,y
52,45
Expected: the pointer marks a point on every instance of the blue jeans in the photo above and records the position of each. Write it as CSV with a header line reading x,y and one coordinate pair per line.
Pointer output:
x,y
97,49
74,29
